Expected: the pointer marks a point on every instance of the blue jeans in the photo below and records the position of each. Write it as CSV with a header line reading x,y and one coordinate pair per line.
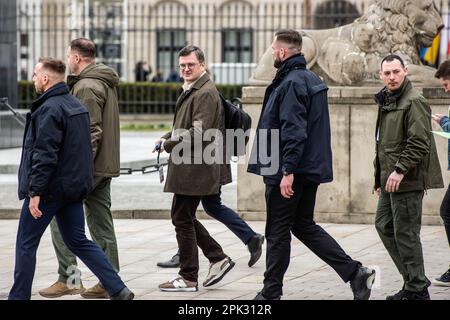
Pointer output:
x,y
70,219
213,207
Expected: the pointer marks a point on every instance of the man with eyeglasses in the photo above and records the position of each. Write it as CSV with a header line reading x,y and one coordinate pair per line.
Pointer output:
x,y
190,176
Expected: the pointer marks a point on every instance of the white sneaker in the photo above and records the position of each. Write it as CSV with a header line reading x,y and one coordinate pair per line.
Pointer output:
x,y
217,271
178,284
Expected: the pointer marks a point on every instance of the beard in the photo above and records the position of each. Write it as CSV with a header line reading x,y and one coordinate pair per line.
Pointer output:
x,y
277,62
39,91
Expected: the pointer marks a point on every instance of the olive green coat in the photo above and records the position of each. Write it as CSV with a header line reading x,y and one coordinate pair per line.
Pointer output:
x,y
95,87
404,140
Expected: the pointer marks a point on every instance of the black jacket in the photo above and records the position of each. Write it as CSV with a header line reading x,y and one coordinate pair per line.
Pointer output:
x,y
296,106
57,155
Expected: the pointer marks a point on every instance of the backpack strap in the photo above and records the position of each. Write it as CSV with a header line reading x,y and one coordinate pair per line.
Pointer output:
x,y
237,102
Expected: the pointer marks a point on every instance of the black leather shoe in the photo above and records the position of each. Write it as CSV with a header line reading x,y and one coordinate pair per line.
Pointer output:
x,y
124,294
260,296
255,248
362,283
174,262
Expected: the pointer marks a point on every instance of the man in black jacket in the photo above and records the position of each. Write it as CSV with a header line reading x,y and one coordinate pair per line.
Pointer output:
x,y
294,132
55,174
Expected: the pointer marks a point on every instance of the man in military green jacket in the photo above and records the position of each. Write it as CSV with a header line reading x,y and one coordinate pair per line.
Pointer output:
x,y
406,165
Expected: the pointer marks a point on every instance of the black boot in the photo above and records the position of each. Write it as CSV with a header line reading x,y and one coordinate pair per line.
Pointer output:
x,y
421,295
362,282
124,294
398,296
260,296
174,262
255,248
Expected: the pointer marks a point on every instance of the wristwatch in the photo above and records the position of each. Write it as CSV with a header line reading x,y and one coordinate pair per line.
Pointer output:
x,y
33,194
285,173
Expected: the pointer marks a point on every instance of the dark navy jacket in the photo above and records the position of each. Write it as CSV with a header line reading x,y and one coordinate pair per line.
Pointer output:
x,y
296,104
57,155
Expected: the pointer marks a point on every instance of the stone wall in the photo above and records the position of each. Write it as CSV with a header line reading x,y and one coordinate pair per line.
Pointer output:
x,y
349,198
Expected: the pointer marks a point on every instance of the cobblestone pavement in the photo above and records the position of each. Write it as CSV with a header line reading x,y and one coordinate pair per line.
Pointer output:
x,y
142,243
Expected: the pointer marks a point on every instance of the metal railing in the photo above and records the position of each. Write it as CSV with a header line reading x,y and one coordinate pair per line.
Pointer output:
x,y
233,34
127,33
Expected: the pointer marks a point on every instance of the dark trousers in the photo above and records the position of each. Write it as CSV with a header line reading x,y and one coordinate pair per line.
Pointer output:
x,y
296,215
213,207
190,233
445,213
70,219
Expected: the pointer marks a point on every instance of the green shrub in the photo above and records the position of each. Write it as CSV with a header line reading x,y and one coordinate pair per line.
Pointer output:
x,y
138,97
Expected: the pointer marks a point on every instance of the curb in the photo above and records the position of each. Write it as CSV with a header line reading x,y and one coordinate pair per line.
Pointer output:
x,y
320,217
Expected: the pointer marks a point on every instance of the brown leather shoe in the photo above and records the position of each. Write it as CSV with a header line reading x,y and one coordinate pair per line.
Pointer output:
x,y
59,289
96,292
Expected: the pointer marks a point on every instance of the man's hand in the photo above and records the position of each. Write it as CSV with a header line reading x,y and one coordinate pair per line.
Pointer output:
x,y
160,143
437,118
286,186
34,207
393,182
378,191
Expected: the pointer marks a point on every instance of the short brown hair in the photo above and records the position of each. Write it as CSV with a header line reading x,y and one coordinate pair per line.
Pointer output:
x,y
54,65
189,49
443,71
84,47
291,37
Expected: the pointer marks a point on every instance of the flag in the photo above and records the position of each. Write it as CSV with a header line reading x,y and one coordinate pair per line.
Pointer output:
x,y
430,56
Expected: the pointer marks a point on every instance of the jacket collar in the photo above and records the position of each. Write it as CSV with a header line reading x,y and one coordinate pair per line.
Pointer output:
x,y
72,79
200,82
197,85
386,97
58,89
297,61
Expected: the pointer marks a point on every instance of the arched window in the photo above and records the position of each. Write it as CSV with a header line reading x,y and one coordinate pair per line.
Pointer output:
x,y
235,18
334,13
170,18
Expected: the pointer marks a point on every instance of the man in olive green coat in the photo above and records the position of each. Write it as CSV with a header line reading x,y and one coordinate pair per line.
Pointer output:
x,y
406,164
195,169
94,84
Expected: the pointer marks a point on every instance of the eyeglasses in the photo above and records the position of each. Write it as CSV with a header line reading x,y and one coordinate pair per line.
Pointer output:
x,y
190,66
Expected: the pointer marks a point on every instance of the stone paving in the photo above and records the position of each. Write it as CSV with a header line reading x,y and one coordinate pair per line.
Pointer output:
x,y
142,243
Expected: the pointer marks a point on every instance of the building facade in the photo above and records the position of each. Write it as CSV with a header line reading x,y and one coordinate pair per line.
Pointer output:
x,y
233,33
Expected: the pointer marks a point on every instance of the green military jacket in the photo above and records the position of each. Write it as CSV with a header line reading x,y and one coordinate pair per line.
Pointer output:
x,y
96,88
404,140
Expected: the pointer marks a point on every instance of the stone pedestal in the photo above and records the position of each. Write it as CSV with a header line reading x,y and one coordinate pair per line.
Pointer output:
x,y
349,198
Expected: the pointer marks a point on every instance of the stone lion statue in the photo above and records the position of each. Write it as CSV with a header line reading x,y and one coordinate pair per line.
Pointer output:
x,y
351,54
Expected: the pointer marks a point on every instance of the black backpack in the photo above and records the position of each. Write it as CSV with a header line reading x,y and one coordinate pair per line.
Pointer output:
x,y
236,118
